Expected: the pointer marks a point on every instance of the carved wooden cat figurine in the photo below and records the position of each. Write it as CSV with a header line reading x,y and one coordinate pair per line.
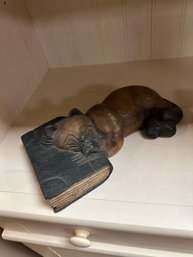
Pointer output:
x,y
124,111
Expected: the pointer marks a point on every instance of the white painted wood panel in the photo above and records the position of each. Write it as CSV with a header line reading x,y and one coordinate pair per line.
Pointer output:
x,y
10,249
138,168
83,32
138,29
22,64
111,25
76,33
55,29
187,32
166,28
88,31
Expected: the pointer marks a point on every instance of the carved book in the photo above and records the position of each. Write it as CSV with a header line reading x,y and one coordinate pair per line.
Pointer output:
x,y
64,176
70,155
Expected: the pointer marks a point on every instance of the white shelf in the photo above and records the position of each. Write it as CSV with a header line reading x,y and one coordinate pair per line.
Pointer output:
x,y
150,189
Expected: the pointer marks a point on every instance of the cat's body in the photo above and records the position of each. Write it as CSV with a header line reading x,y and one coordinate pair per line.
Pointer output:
x,y
124,111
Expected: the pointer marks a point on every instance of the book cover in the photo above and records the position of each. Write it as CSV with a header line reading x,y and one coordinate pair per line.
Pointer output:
x,y
64,176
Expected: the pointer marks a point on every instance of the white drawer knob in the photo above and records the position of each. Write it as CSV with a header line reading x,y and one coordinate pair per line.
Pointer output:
x,y
80,238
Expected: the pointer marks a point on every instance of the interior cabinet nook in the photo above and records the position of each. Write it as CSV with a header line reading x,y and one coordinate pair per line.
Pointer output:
x,y
57,55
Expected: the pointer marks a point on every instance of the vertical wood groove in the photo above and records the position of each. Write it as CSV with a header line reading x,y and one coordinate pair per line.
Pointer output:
x,y
182,23
153,7
35,31
69,10
187,37
99,31
22,63
20,31
125,28
111,31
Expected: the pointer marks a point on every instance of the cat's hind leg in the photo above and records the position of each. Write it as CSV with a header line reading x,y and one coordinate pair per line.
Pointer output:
x,y
162,121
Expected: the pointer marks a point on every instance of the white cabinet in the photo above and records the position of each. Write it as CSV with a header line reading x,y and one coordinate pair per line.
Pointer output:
x,y
57,55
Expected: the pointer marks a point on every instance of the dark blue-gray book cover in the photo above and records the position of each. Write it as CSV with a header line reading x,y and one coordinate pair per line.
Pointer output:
x,y
63,175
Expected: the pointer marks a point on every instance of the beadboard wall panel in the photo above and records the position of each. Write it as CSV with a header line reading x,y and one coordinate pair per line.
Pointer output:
x,y
22,63
187,29
166,28
111,30
83,32
86,27
137,15
65,33
55,27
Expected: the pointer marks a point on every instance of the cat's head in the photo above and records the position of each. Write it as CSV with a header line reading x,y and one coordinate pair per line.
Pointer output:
x,y
77,133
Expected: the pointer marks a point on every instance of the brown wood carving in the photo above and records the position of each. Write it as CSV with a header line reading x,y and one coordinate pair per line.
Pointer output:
x,y
124,111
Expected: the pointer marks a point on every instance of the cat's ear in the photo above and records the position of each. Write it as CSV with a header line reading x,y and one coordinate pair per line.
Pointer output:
x,y
74,111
